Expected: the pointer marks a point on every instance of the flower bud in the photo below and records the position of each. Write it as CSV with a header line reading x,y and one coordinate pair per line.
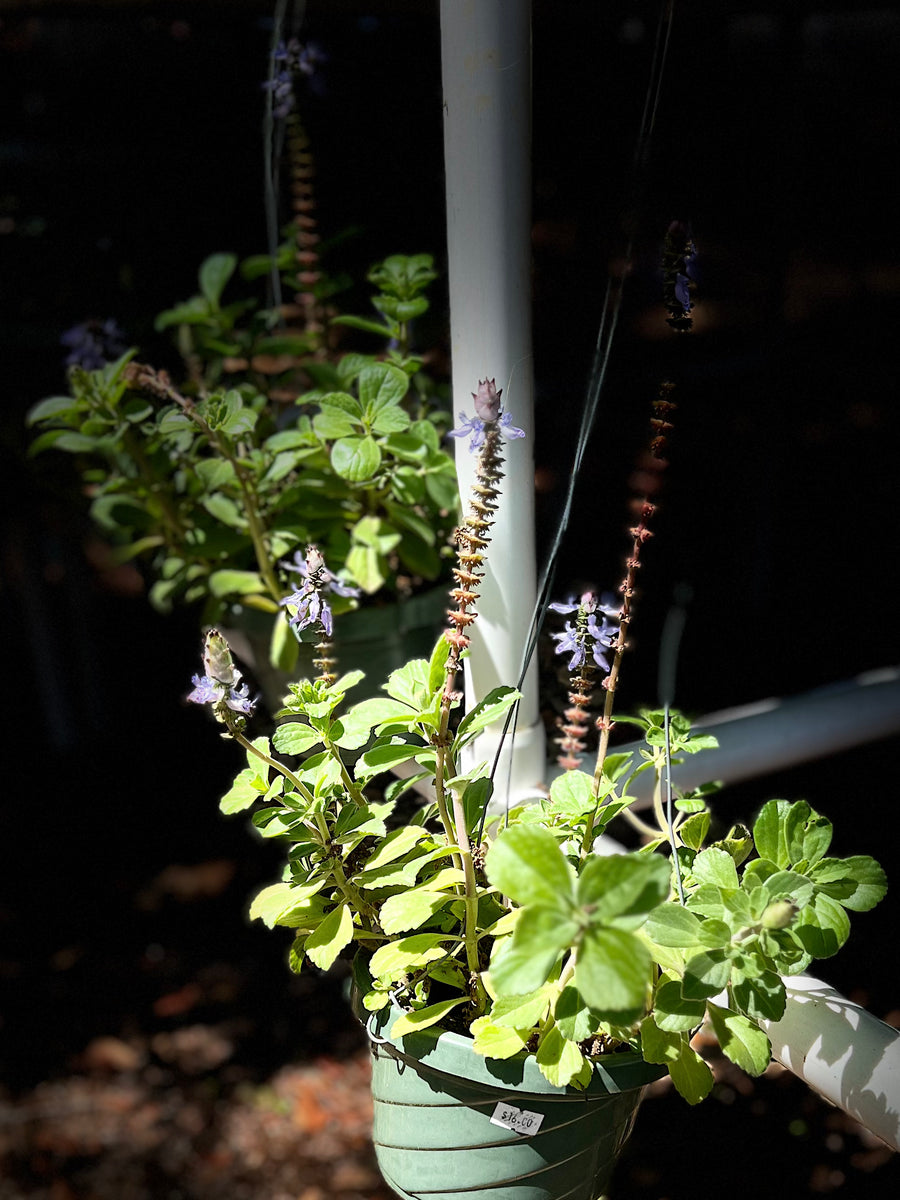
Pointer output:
x,y
487,400
779,914
217,660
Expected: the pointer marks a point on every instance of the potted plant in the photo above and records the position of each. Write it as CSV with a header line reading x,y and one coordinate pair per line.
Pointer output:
x,y
518,985
267,446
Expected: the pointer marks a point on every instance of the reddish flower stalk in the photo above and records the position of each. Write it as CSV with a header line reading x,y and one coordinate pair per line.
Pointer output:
x,y
648,478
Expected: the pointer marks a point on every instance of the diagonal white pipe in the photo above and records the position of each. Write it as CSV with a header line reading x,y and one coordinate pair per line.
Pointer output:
x,y
843,1053
486,68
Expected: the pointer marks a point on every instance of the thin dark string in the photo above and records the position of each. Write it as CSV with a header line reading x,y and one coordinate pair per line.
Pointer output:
x,y
609,319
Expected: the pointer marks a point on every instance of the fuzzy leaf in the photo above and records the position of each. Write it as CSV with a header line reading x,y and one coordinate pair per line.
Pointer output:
x,y
495,1041
717,867
621,889
523,964
522,1012
560,1061
325,943
409,910
397,958
423,1018
613,973
295,737
741,1040
485,713
526,864
355,459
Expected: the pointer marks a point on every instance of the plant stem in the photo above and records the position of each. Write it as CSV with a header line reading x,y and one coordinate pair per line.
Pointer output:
x,y
289,775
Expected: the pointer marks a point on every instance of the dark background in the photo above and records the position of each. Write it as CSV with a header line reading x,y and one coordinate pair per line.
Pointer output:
x,y
130,148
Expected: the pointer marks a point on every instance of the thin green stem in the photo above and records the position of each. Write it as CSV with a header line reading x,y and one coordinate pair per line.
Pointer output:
x,y
289,775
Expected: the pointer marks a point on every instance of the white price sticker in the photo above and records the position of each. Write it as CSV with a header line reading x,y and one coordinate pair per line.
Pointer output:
x,y
518,1119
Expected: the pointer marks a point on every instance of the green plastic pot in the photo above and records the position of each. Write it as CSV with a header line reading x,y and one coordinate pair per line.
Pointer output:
x,y
437,1105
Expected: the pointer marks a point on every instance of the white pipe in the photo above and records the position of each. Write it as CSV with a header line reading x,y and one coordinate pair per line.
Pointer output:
x,y
486,64
842,1052
773,734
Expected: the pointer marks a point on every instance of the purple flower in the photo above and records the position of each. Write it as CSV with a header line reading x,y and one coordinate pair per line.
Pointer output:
x,y
292,58
606,606
307,599
221,683
586,636
478,428
92,344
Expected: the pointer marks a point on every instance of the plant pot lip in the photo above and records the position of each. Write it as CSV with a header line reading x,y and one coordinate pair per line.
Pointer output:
x,y
449,1053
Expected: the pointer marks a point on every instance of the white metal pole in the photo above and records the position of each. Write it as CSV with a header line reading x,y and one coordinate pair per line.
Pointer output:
x,y
486,66
843,1053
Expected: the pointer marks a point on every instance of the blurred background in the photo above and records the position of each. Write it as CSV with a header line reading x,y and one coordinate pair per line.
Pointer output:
x,y
153,1043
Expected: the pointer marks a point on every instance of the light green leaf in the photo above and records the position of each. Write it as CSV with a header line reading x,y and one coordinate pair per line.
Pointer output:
x,y
325,943
672,1012
355,727
423,1018
858,882
397,958
365,565
570,793
692,1077
395,845
214,274
560,1061
526,864
334,422
242,793
621,889
294,737
224,510
355,458
523,964
822,927
495,1041
741,1040
235,583
494,705
613,973
384,758
522,1012
409,910
715,866
380,386
705,975
672,925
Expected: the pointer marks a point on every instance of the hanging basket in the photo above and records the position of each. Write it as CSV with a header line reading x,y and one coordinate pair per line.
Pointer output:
x,y
450,1124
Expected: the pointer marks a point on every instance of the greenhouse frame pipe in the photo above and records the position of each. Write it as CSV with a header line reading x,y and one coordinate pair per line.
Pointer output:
x,y
771,735
842,1052
486,70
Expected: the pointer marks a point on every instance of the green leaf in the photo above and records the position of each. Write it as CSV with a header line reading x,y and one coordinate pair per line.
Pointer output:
x,y
381,386
325,943
395,845
523,964
526,864
560,1061
769,834
715,866
694,830
741,1040
355,458
52,406
295,737
496,1041
384,758
476,798
757,992
613,973
822,927
214,274
242,794
355,727
573,1016
224,510
407,954
858,882
571,793
690,1074
424,1018
288,904
214,472
621,889
364,565
410,910
334,422
235,583
706,975
522,1012
672,925
672,1012
497,702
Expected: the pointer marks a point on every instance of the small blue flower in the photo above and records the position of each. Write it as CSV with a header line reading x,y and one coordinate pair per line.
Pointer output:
x,y
211,691
586,636
477,428
307,600
92,344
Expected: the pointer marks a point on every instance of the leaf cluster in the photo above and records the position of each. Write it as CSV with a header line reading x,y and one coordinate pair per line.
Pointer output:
x,y
575,952
215,484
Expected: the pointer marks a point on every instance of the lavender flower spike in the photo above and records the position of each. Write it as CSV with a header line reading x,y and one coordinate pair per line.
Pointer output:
x,y
310,608
487,415
586,636
221,684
